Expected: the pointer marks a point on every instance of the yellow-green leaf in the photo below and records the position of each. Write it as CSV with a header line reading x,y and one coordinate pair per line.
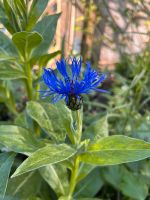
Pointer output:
x,y
49,154
116,149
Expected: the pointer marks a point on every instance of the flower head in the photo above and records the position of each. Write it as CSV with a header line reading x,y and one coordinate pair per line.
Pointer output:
x,y
69,85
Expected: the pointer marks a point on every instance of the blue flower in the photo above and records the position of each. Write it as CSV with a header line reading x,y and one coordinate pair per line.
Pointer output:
x,y
69,85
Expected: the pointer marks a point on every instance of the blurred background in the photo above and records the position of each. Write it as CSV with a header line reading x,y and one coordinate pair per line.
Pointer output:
x,y
102,31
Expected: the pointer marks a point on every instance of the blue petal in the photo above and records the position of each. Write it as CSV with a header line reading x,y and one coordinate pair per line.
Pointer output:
x,y
61,66
76,67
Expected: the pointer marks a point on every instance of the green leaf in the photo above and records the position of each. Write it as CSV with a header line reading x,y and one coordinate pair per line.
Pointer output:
x,y
18,139
10,72
97,129
6,161
6,45
89,186
113,175
36,111
130,184
11,15
24,186
6,97
46,192
44,59
46,27
56,176
26,42
89,199
21,10
48,116
116,150
49,154
84,170
36,10
4,19
22,121
133,185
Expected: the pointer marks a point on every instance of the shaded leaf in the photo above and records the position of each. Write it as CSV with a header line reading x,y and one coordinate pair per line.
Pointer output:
x,y
89,186
46,27
26,42
6,45
56,176
9,72
84,170
24,186
44,59
130,184
6,161
36,10
12,17
97,129
134,186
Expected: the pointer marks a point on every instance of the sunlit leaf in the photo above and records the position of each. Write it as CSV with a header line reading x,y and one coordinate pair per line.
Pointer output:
x,y
116,150
49,154
18,139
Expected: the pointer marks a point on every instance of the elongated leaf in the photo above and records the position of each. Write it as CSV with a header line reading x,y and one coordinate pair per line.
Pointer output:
x,y
18,139
44,59
97,129
6,45
37,8
26,42
49,154
89,186
46,192
48,116
46,27
20,187
39,114
9,72
134,186
6,161
66,198
129,183
56,176
4,19
84,170
116,150
10,12
89,199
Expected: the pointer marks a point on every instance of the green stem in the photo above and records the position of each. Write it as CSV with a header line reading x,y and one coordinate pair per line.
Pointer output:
x,y
29,88
71,136
79,126
74,172
38,84
28,81
73,178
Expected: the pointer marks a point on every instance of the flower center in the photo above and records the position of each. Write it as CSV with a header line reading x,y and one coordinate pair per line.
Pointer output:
x,y
75,103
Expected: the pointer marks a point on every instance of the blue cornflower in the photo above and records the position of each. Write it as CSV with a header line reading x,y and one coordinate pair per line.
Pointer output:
x,y
70,86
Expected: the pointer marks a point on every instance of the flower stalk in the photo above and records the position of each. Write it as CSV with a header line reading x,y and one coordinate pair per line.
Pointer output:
x,y
74,172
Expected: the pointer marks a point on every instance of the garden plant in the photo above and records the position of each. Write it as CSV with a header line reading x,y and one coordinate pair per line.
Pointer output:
x,y
47,152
